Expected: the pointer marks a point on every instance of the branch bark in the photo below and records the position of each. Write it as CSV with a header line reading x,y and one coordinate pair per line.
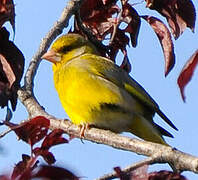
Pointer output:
x,y
127,170
157,153
59,25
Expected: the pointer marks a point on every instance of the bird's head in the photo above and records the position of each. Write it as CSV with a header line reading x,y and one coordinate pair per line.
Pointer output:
x,y
67,47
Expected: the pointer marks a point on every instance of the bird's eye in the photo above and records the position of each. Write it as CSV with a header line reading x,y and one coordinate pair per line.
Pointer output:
x,y
65,49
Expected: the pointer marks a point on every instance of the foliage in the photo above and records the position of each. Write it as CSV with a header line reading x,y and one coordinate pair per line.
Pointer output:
x,y
32,132
105,18
142,174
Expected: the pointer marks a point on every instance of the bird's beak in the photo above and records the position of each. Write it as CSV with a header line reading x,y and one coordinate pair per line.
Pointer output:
x,y
51,56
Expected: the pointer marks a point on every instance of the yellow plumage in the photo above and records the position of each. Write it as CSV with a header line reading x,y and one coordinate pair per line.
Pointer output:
x,y
95,91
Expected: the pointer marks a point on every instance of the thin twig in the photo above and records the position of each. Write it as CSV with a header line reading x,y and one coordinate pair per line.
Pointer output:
x,y
60,24
115,27
128,169
88,32
5,132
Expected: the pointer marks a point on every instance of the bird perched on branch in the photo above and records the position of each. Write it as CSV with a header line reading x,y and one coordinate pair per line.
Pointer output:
x,y
95,91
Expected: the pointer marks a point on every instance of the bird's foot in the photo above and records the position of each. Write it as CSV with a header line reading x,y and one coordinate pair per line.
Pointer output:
x,y
83,128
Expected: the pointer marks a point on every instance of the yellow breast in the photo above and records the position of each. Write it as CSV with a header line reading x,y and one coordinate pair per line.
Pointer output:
x,y
82,92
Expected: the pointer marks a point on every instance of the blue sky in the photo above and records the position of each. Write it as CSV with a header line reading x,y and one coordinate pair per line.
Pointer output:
x,y
90,160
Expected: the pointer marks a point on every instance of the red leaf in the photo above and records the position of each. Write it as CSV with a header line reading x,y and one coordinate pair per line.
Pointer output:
x,y
186,11
31,131
131,16
166,175
53,172
99,19
120,174
103,18
47,156
120,42
24,168
21,166
142,174
125,63
7,12
4,177
54,138
11,70
7,79
98,16
8,71
179,14
187,72
164,37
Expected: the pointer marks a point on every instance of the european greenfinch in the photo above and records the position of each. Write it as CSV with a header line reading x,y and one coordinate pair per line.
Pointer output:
x,y
95,91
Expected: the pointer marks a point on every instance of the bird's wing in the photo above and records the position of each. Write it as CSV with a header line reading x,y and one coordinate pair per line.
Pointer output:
x,y
110,71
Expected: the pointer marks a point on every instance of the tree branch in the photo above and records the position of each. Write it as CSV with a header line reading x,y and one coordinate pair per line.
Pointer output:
x,y
5,132
159,153
88,32
68,11
127,169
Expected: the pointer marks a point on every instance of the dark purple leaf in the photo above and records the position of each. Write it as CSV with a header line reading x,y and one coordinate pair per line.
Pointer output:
x,y
164,37
11,70
187,73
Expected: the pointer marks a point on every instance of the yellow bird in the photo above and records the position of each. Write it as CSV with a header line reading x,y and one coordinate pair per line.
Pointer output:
x,y
95,91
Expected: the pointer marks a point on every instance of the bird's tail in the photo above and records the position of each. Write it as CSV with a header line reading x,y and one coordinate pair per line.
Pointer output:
x,y
148,130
